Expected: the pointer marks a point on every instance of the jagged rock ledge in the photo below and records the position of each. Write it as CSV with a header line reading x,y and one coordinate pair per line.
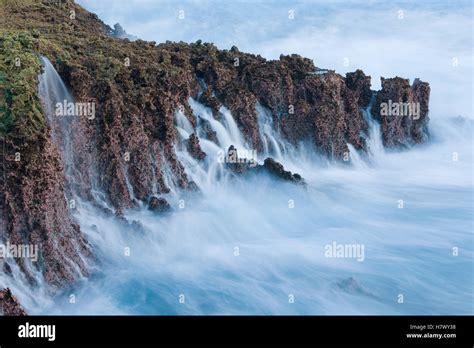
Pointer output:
x,y
270,167
9,305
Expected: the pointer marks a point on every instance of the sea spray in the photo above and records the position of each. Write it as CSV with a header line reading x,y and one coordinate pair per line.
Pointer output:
x,y
280,233
257,246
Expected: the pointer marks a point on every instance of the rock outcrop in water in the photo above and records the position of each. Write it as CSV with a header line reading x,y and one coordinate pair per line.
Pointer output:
x,y
126,148
159,205
244,166
276,169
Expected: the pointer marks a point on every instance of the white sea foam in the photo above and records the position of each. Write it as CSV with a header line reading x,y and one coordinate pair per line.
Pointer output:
x,y
246,246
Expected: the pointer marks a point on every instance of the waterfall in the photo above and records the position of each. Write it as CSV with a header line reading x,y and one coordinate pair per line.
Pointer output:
x,y
271,146
374,141
183,125
232,129
53,91
226,132
63,114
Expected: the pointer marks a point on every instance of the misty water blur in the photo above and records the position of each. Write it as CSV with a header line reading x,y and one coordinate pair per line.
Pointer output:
x,y
257,246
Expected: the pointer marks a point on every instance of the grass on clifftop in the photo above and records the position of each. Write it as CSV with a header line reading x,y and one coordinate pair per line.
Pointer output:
x,y
20,107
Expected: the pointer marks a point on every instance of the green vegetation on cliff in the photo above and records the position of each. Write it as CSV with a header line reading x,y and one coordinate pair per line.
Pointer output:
x,y
20,107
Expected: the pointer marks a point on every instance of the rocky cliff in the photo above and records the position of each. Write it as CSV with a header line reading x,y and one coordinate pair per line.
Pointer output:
x,y
405,123
136,88
9,305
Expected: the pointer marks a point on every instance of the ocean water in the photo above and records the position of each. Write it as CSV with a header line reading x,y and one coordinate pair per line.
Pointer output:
x,y
241,247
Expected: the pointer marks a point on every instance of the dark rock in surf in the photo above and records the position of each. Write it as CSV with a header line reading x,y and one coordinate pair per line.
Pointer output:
x,y
194,149
242,166
277,170
159,205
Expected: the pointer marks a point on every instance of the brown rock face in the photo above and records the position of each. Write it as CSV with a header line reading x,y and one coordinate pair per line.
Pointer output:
x,y
9,305
194,148
207,98
131,141
402,111
36,211
359,83
321,108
